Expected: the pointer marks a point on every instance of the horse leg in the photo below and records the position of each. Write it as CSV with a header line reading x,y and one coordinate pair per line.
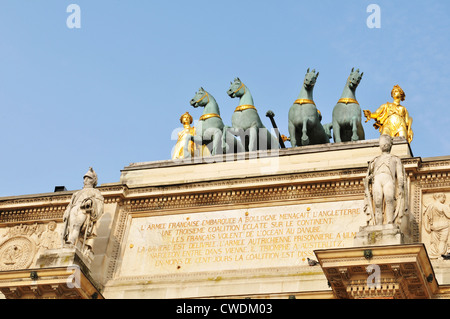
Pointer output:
x,y
291,128
323,136
336,132
217,142
186,150
229,134
354,129
305,138
215,135
237,145
253,139
266,140
227,145
327,127
361,134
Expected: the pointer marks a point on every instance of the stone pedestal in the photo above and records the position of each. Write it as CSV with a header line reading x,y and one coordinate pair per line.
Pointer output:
x,y
377,235
63,257
70,257
382,272
58,273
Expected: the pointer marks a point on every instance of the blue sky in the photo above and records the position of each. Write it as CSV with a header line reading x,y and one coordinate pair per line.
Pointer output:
x,y
111,92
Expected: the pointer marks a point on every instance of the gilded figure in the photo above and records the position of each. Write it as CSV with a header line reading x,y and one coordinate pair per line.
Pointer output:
x,y
185,147
393,118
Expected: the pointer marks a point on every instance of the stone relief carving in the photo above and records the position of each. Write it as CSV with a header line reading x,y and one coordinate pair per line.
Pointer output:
x,y
436,222
22,244
50,238
16,253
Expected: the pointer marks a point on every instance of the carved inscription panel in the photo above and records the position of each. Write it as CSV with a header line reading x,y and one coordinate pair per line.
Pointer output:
x,y
280,236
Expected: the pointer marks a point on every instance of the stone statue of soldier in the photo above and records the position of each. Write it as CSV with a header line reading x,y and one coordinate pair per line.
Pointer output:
x,y
82,214
385,187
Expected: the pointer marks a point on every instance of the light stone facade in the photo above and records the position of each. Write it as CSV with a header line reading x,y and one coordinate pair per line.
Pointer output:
x,y
238,227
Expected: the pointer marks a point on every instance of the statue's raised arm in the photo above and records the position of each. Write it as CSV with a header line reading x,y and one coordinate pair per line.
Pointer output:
x,y
393,118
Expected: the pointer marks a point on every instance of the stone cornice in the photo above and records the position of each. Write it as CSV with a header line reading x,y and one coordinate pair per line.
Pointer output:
x,y
47,206
309,149
288,186
284,188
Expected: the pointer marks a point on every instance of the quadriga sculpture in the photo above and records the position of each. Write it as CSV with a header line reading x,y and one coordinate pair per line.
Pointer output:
x,y
346,118
246,122
210,127
304,118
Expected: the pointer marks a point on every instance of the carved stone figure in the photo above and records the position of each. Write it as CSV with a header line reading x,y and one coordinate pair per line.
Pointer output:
x,y
185,147
392,118
19,246
436,222
246,122
346,117
17,253
385,187
210,128
50,239
82,214
304,118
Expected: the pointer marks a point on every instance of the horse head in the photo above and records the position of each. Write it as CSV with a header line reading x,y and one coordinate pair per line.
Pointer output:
x,y
310,78
354,78
201,98
237,88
